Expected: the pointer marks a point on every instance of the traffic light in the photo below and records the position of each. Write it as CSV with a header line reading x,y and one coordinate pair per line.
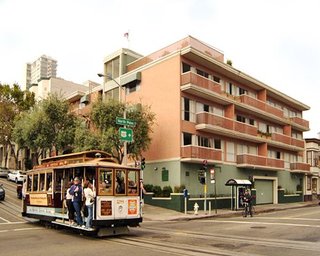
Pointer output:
x,y
202,180
201,177
143,163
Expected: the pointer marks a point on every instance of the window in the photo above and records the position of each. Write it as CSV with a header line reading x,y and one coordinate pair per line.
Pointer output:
x,y
216,79
230,152
187,139
242,91
185,67
206,108
217,143
35,183
241,119
278,155
105,182
42,181
202,73
29,183
204,142
133,181
230,88
186,109
49,182
120,182
132,86
251,121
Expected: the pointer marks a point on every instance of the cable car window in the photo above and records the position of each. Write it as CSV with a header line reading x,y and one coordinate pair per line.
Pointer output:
x,y
42,180
120,182
133,181
105,182
49,181
29,183
35,182
58,179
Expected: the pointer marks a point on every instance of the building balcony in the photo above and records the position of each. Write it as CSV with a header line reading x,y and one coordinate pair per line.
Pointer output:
x,y
297,143
259,162
300,167
203,82
226,123
248,100
301,122
196,152
281,138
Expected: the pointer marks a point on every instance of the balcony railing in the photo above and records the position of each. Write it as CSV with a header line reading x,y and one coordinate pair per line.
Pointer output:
x,y
201,153
188,41
300,121
297,143
281,138
254,160
226,123
200,81
300,167
248,100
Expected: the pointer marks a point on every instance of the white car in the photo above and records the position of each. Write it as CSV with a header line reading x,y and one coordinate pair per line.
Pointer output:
x,y
4,172
17,176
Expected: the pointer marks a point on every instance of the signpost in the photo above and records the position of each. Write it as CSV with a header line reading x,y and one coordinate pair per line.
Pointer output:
x,y
213,181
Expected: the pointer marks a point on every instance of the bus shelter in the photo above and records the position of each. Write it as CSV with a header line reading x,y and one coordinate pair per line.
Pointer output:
x,y
238,188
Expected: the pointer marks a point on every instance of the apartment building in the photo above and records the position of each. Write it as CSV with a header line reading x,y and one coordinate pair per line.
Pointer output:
x,y
209,112
43,67
59,86
313,158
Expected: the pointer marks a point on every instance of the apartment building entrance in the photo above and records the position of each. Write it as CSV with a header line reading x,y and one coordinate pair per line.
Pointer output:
x,y
265,190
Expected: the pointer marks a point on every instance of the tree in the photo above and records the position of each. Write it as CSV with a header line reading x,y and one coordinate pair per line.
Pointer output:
x,y
48,126
13,101
105,136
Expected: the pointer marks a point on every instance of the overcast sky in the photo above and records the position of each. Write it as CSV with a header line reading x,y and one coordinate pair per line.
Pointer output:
x,y
275,41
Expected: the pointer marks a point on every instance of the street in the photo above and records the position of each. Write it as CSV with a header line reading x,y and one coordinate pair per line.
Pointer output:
x,y
291,232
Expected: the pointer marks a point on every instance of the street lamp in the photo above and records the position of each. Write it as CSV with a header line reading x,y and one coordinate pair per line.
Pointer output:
x,y
108,76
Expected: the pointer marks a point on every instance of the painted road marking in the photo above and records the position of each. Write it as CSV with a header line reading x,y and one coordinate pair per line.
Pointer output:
x,y
4,220
19,229
14,223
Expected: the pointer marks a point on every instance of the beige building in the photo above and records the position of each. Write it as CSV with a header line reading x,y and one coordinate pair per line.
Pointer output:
x,y
43,67
59,86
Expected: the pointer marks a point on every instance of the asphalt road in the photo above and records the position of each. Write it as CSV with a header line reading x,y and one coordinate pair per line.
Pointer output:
x,y
292,232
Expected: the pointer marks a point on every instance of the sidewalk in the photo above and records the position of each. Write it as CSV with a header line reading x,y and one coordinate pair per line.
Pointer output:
x,y
154,213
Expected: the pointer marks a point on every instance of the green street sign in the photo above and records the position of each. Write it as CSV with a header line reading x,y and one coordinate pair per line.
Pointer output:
x,y
123,121
126,134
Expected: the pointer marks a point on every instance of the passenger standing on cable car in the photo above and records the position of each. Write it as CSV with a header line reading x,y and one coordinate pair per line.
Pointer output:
x,y
69,203
76,191
89,194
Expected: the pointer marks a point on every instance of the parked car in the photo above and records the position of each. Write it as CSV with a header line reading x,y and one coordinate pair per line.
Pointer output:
x,y
2,192
17,176
4,172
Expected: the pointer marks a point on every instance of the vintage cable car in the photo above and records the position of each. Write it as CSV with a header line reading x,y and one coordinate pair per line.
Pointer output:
x,y
117,204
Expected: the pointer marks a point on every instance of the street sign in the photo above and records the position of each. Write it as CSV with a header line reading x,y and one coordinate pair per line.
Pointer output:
x,y
126,134
127,122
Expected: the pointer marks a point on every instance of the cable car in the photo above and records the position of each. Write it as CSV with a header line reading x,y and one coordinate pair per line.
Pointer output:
x,y
117,204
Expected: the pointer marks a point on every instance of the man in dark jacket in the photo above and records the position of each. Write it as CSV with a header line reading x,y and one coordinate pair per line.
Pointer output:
x,y
247,199
76,192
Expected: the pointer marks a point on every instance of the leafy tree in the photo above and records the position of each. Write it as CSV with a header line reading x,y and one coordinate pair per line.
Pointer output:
x,y
13,101
48,126
106,136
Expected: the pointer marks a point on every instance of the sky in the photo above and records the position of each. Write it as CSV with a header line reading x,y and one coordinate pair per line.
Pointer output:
x,y
274,41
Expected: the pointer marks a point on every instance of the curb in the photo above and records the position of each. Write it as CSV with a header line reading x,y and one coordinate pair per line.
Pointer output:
x,y
239,213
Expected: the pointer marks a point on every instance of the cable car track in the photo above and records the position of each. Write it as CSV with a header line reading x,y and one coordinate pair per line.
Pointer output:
x,y
233,239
